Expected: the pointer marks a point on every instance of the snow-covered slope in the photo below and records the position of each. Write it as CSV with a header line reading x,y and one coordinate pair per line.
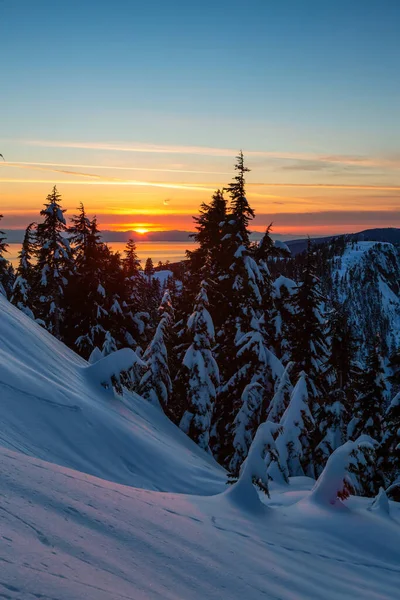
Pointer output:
x,y
69,529
367,279
68,536
51,409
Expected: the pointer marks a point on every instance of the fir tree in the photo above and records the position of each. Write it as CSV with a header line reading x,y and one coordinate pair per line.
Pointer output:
x,y
3,262
256,364
309,349
87,298
200,372
240,210
294,440
149,269
131,262
370,404
53,264
281,399
155,385
245,424
389,450
22,295
134,305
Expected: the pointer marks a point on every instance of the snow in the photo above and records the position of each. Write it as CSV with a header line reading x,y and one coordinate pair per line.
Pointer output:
x,y
66,535
103,498
54,408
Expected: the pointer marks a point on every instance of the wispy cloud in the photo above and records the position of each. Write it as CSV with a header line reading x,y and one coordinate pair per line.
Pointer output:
x,y
30,164
392,162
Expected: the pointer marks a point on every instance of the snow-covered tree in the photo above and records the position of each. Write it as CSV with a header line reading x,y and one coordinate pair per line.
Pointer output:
x,y
389,449
53,264
370,404
294,440
308,336
255,364
22,295
342,473
4,266
155,385
246,424
253,470
201,375
331,419
87,299
281,398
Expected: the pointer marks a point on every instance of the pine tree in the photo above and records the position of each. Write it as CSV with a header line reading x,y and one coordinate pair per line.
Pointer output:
x,y
202,374
208,257
155,385
86,295
149,269
389,450
80,232
134,306
281,399
53,264
131,262
370,404
3,262
309,349
240,210
294,441
22,295
246,424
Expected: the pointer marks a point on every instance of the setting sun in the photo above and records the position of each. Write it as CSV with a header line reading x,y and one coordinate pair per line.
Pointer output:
x,y
141,230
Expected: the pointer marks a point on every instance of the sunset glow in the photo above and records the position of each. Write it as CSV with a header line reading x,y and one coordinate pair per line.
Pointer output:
x,y
141,142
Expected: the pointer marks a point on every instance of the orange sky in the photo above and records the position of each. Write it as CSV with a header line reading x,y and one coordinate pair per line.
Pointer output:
x,y
140,186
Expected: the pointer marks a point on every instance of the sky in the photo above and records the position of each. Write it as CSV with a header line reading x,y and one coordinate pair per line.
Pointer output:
x,y
137,109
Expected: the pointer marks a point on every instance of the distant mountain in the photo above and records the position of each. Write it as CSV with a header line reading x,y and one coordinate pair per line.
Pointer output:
x,y
386,234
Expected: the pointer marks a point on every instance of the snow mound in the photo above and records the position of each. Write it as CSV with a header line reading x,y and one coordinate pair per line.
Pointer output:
x,y
54,408
67,536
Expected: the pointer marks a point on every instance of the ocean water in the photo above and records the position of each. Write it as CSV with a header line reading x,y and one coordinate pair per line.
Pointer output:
x,y
157,251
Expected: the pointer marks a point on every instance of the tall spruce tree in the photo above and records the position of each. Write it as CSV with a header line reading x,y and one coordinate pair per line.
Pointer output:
x,y
54,264
134,305
370,404
23,289
200,372
155,385
3,262
308,335
389,449
87,298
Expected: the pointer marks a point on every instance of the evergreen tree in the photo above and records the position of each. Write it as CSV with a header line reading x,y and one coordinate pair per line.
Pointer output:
x,y
294,440
281,399
149,269
79,236
389,450
155,385
22,295
87,298
240,210
134,306
131,262
370,404
256,364
245,424
309,349
201,373
3,262
53,264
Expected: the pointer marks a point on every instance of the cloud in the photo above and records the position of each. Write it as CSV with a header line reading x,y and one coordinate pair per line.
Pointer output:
x,y
391,161
41,165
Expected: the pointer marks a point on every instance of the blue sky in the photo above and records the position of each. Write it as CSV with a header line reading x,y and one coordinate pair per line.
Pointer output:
x,y
299,78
